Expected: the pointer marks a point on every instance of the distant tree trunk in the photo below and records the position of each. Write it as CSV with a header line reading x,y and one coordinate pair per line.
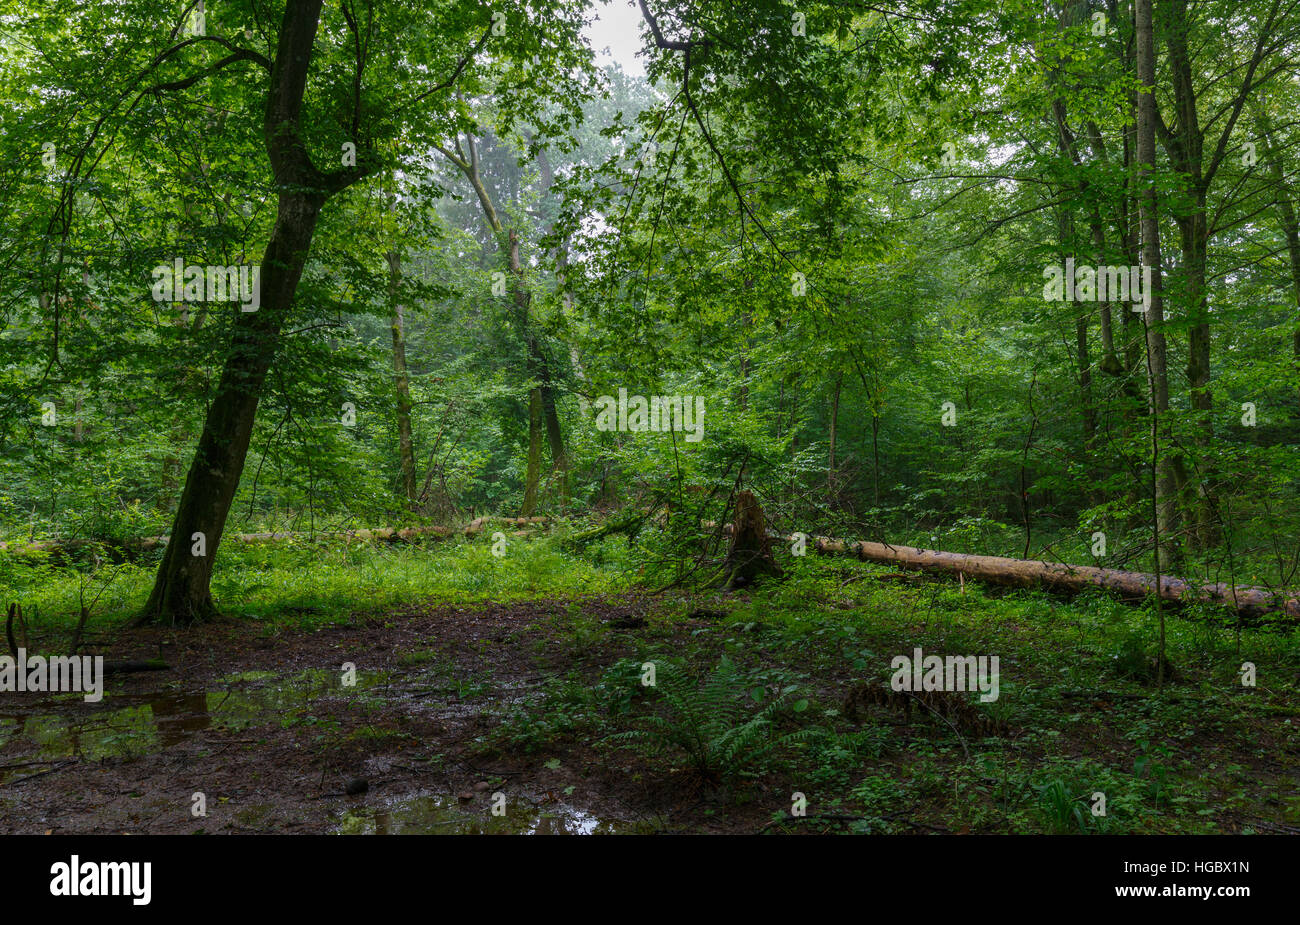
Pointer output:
x,y
875,458
536,404
747,344
1065,143
874,391
1292,232
1127,229
467,161
533,476
1290,228
554,434
831,488
401,383
1085,382
1110,363
1201,500
792,485
1157,377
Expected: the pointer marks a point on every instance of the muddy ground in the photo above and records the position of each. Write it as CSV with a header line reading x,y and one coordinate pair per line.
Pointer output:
x,y
457,710
263,727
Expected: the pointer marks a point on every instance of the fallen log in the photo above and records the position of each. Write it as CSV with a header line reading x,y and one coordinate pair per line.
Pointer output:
x,y
141,544
628,522
146,543
479,524
1246,600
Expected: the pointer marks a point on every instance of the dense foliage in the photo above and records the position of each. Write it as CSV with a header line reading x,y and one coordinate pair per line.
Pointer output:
x,y
833,223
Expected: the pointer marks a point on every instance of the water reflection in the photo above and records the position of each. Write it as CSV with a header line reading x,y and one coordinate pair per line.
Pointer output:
x,y
124,725
444,815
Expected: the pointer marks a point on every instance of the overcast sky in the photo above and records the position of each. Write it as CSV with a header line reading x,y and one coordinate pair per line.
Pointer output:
x,y
618,27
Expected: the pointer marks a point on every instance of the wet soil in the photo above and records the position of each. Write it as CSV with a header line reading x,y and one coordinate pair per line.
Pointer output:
x,y
407,721
254,731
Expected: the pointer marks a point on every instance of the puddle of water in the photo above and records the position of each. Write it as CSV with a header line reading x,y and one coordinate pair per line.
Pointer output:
x,y
444,815
126,725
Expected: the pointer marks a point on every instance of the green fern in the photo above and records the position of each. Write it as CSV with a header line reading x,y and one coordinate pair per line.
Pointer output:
x,y
714,724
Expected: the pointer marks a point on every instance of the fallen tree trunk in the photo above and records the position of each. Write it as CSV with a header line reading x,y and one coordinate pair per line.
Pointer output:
x,y
145,543
386,534
629,522
998,570
479,524
1248,601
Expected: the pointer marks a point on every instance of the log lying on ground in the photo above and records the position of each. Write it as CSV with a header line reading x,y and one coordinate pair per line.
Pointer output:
x,y
1248,601
141,544
629,522
479,524
387,534
146,543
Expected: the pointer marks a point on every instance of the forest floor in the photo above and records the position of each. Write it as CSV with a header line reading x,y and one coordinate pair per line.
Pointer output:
x,y
454,704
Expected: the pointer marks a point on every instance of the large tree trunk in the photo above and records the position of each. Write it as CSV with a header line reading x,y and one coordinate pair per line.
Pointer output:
x,y
181,592
1128,232
405,445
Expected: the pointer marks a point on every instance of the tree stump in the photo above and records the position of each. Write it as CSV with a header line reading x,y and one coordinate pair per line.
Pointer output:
x,y
749,555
